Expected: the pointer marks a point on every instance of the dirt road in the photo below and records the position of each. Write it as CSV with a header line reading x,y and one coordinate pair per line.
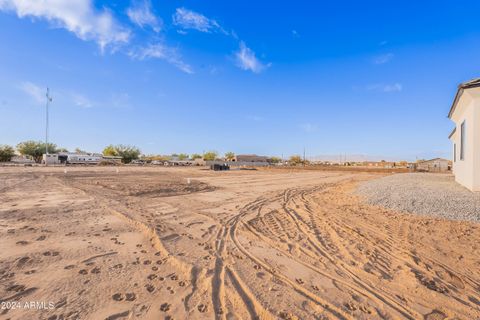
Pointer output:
x,y
155,243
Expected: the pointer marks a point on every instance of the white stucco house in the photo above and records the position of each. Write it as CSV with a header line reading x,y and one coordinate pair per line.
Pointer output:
x,y
465,113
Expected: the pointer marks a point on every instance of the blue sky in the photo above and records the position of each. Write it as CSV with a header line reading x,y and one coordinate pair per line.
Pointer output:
x,y
369,77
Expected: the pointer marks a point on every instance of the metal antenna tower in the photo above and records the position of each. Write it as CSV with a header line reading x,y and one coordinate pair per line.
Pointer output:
x,y
49,99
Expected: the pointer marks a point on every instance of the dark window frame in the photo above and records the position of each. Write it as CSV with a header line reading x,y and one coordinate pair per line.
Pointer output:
x,y
462,140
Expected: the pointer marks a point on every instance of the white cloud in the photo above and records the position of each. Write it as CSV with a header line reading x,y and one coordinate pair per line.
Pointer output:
x,y
295,34
81,101
36,92
163,52
384,58
188,19
77,16
308,127
247,60
395,87
141,14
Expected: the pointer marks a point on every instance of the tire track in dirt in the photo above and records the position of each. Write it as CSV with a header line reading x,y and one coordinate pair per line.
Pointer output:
x,y
359,286
250,209
388,252
331,251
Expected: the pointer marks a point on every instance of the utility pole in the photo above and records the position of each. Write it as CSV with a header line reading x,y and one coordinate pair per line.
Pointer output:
x,y
304,156
49,99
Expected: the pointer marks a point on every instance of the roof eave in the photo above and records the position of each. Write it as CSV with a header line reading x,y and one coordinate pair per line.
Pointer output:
x,y
452,133
461,88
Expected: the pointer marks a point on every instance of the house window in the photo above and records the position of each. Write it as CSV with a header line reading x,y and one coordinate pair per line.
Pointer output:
x,y
462,141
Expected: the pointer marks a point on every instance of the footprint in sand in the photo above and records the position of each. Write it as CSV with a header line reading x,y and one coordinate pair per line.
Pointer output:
x,y
70,266
150,288
83,271
22,261
146,262
152,277
22,243
165,307
130,296
202,308
41,238
174,277
154,268
299,281
95,270
117,297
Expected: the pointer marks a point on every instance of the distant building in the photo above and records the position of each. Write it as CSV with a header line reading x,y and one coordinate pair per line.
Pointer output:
x,y
434,165
465,137
21,160
250,158
50,159
78,158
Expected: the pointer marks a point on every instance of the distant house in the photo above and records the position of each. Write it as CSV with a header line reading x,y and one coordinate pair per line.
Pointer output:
x,y
250,158
465,137
434,165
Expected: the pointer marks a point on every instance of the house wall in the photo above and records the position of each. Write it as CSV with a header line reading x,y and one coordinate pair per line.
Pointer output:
x,y
467,171
438,165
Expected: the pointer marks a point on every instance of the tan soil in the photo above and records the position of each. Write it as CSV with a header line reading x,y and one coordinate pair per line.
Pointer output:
x,y
145,243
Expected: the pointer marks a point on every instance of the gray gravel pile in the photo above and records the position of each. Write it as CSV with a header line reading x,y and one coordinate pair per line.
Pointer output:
x,y
424,194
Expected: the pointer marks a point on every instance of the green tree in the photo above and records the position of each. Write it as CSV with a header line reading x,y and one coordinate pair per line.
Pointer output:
x,y
110,151
274,160
229,156
295,160
182,156
196,156
6,153
128,153
210,156
35,149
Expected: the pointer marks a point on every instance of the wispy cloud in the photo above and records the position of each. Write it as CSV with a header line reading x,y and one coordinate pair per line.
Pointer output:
x,y
188,19
246,60
77,16
34,91
140,13
384,58
81,101
295,34
309,127
163,52
395,87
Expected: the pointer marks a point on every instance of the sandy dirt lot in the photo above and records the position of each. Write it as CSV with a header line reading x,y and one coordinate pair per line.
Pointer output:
x,y
94,243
